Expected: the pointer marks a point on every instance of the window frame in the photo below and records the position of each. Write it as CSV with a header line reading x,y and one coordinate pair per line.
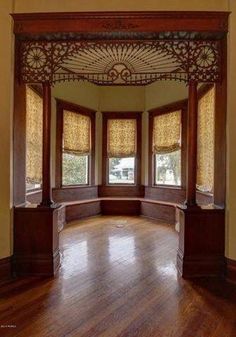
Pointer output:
x,y
137,115
62,105
38,90
172,107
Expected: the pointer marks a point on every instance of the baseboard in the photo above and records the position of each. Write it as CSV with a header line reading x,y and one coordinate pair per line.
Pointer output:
x,y
5,270
230,274
200,266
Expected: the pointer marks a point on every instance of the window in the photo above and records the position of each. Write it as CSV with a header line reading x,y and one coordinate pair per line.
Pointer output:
x,y
206,135
34,139
75,145
167,168
76,148
166,148
121,150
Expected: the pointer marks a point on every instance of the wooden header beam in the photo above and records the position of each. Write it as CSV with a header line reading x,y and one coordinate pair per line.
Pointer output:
x,y
90,22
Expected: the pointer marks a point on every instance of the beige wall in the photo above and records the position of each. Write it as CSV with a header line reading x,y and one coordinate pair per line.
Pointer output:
x,y
162,93
85,93
118,5
6,65
231,139
122,98
6,91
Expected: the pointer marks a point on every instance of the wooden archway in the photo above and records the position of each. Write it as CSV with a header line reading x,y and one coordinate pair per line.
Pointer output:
x,y
196,41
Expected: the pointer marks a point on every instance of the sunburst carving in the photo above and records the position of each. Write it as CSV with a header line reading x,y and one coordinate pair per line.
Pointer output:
x,y
120,63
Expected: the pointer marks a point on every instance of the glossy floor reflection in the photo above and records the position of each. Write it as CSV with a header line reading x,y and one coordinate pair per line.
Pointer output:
x,y
118,279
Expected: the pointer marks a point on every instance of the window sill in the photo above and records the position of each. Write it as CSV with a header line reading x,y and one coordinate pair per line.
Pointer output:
x,y
207,194
33,191
72,186
121,185
172,187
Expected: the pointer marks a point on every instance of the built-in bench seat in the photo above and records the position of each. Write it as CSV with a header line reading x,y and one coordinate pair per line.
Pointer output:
x,y
160,210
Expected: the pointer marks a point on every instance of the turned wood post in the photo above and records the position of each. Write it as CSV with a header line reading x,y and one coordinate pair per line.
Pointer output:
x,y
191,176
46,184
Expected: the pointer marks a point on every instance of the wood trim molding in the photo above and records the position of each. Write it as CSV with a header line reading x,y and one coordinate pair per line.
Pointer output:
x,y
220,132
230,270
174,106
89,22
62,105
121,115
203,90
19,134
5,270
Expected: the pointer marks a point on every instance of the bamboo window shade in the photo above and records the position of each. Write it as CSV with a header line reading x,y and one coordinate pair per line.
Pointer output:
x,y
76,133
121,138
34,136
205,146
167,132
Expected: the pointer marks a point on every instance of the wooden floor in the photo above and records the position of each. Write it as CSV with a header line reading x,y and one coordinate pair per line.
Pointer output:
x,y
118,279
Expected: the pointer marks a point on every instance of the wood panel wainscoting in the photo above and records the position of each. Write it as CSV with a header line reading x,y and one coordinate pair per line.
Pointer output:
x,y
121,191
201,241
169,194
74,193
36,240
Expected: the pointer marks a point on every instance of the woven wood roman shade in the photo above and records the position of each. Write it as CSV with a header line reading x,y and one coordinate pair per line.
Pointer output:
x,y
76,133
206,135
167,132
121,138
34,136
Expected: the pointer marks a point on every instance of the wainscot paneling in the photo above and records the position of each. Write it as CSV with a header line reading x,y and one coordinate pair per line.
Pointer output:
x,y
74,193
120,191
36,240
160,212
169,194
82,210
120,207
201,241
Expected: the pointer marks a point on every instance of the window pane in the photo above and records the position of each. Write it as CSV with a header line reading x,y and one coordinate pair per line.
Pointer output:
x,y
74,169
121,170
168,168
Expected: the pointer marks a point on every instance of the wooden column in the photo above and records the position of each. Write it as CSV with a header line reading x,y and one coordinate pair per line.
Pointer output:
x,y
46,185
191,176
